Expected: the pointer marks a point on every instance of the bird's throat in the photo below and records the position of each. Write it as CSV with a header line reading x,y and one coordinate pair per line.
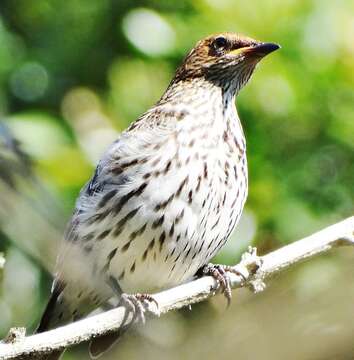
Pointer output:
x,y
206,104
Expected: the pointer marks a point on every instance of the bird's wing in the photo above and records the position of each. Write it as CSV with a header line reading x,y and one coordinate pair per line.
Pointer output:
x,y
130,149
116,169
118,166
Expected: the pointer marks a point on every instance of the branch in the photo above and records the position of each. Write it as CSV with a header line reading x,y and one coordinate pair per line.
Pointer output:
x,y
256,270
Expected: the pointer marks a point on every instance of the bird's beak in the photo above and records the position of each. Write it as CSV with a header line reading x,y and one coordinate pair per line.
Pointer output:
x,y
259,50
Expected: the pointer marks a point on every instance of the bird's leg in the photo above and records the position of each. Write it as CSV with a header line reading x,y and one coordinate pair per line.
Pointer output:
x,y
134,304
219,273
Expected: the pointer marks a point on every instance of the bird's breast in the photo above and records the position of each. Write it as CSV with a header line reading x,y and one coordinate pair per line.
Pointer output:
x,y
177,209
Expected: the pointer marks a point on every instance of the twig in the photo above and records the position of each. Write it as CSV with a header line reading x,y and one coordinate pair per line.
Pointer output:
x,y
257,269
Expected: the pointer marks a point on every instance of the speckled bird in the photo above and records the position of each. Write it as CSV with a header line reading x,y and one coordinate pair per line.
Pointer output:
x,y
167,194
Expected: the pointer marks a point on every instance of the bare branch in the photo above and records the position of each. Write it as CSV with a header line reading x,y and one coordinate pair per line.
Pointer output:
x,y
257,269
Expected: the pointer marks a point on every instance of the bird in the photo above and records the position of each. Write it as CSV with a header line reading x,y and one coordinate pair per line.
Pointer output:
x,y
166,195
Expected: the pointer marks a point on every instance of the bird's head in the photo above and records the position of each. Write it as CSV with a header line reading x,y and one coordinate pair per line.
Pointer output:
x,y
225,59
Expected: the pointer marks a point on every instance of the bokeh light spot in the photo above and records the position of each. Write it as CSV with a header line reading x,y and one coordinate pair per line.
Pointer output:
x,y
40,134
149,32
82,108
30,81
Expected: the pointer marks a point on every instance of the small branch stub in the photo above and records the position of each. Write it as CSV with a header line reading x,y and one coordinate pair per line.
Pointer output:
x,y
15,335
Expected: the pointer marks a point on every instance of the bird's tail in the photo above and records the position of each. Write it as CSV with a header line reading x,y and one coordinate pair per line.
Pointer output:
x,y
55,314
58,312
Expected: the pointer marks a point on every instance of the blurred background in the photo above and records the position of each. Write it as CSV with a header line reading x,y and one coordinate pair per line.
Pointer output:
x,y
74,74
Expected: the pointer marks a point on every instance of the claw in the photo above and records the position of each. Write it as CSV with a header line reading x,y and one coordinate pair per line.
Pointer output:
x,y
136,305
219,273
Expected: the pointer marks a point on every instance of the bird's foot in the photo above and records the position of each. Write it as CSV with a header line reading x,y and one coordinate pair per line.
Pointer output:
x,y
137,305
219,273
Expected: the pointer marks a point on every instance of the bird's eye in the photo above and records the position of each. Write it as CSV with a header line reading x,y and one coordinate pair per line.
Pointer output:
x,y
220,43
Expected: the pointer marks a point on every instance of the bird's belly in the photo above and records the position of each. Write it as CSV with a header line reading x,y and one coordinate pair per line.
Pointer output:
x,y
165,253
178,224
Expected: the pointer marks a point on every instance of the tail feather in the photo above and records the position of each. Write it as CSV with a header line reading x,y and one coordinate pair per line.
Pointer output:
x,y
47,316
58,312
54,314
